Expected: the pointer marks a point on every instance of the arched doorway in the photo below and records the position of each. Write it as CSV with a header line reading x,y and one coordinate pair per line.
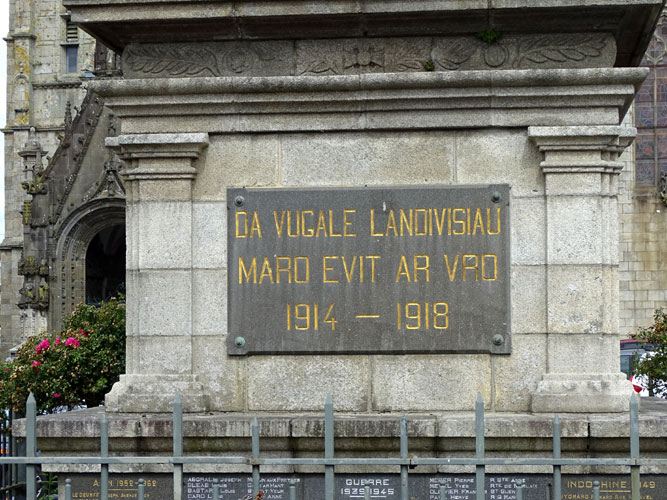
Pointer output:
x,y
105,265
89,260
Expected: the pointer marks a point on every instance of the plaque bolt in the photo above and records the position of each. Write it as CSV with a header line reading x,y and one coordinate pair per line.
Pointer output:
x,y
498,339
239,342
239,201
496,197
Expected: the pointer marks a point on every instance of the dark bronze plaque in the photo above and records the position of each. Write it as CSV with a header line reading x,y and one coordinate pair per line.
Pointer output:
x,y
122,486
363,270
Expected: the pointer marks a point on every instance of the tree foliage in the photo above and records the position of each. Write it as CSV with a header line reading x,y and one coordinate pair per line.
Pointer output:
x,y
652,367
74,367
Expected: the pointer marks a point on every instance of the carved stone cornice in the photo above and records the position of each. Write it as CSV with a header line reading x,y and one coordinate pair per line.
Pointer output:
x,y
576,149
132,148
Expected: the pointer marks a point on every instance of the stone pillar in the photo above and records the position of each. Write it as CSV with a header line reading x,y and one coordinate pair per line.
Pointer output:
x,y
581,170
159,175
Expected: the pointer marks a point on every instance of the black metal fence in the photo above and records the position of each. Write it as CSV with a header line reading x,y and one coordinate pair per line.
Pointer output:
x,y
12,461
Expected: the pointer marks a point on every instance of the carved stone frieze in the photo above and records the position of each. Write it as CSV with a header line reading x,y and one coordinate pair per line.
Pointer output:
x,y
369,55
207,59
571,50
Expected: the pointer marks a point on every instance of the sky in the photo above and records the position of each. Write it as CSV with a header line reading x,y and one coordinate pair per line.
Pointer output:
x,y
4,29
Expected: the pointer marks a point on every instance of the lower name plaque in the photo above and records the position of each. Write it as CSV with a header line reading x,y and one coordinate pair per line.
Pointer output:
x,y
362,270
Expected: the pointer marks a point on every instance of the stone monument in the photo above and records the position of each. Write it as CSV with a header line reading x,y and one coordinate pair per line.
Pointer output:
x,y
403,204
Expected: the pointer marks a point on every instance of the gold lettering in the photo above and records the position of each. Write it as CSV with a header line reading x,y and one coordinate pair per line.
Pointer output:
x,y
488,221
373,233
372,258
402,269
478,222
310,231
245,272
255,227
266,271
440,221
331,230
494,259
244,234
296,269
467,267
321,225
451,271
289,225
391,223
349,273
287,269
406,222
461,223
326,268
423,267
425,213
347,222
468,219
279,225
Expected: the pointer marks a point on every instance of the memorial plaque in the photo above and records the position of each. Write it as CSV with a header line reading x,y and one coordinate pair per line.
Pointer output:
x,y
122,486
369,270
423,486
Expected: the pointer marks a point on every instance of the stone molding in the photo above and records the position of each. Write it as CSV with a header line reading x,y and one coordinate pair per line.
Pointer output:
x,y
132,148
557,142
511,98
353,56
155,393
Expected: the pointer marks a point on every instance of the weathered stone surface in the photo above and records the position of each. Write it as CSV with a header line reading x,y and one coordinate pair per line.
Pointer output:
x,y
237,160
528,230
498,156
209,315
513,392
574,230
162,302
426,383
223,377
579,300
582,393
209,235
295,383
165,232
529,299
373,158
575,353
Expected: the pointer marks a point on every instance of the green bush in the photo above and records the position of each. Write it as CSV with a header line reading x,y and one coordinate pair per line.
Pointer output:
x,y
73,367
653,366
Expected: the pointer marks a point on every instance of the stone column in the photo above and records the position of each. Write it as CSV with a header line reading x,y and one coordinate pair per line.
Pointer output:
x,y
581,170
159,175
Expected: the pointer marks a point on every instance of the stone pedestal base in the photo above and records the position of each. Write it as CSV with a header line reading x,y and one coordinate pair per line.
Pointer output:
x,y
155,393
559,392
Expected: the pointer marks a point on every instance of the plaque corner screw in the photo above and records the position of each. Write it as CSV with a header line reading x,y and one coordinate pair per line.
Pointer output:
x,y
239,201
496,197
498,339
239,342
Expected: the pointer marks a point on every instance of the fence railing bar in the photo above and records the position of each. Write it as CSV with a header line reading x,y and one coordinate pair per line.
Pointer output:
x,y
292,489
596,490
104,453
216,489
141,490
479,447
68,489
405,456
328,448
31,445
177,431
634,446
442,493
556,454
411,462
519,493
255,455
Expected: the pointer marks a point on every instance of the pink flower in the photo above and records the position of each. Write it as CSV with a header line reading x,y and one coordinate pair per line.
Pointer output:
x,y
56,395
57,340
36,364
42,346
72,341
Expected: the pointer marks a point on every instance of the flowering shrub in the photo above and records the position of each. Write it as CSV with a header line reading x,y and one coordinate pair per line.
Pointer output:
x,y
76,366
653,366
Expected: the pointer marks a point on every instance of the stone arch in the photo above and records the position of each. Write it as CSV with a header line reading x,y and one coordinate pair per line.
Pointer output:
x,y
71,242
